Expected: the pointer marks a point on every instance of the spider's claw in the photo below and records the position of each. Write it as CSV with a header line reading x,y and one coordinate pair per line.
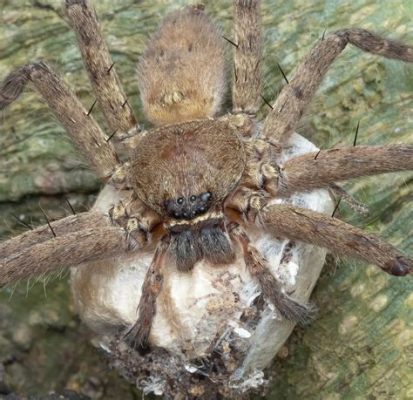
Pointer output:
x,y
400,266
137,338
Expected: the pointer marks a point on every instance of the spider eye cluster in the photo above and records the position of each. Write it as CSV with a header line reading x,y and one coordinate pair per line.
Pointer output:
x,y
188,207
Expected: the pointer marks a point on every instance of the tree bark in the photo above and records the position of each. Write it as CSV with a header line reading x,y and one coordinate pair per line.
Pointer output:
x,y
360,347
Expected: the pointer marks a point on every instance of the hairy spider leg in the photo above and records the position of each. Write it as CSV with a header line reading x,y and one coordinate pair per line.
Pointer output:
x,y
246,85
289,107
78,122
105,81
138,335
271,288
311,227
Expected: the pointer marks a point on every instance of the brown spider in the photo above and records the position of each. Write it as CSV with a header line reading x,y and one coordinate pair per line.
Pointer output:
x,y
201,189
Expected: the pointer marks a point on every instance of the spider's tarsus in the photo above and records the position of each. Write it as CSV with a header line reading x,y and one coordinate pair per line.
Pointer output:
x,y
324,34
48,221
124,103
137,339
354,204
91,107
283,74
400,266
231,42
319,151
356,134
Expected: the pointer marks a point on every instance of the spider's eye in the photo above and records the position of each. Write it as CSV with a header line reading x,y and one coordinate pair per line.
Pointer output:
x,y
180,200
192,198
206,196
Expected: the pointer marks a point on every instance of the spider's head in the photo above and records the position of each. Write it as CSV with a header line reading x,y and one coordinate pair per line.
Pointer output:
x,y
185,171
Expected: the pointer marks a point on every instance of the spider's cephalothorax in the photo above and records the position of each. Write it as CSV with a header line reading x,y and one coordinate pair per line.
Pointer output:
x,y
198,165
199,209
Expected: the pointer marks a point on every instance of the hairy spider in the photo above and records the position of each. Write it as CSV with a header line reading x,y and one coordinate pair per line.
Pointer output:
x,y
202,195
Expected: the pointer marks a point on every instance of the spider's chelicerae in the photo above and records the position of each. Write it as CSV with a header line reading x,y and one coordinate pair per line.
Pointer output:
x,y
193,212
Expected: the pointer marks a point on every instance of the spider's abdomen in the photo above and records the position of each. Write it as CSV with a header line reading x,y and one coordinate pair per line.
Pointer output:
x,y
185,170
182,72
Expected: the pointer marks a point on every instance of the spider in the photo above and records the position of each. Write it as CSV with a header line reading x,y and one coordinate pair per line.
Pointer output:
x,y
200,187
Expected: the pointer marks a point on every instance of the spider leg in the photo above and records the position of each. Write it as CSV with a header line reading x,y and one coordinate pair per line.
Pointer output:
x,y
70,249
98,62
246,88
317,170
73,223
80,125
311,227
271,289
138,335
294,98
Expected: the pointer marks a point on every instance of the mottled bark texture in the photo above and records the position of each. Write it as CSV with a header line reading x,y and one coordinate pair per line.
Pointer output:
x,y
360,345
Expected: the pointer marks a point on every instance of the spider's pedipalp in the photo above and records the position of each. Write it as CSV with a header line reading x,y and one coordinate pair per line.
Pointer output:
x,y
290,105
98,62
271,288
307,172
246,87
343,239
81,127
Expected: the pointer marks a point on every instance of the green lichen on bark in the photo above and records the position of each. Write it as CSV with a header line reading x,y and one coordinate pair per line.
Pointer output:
x,y
361,346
